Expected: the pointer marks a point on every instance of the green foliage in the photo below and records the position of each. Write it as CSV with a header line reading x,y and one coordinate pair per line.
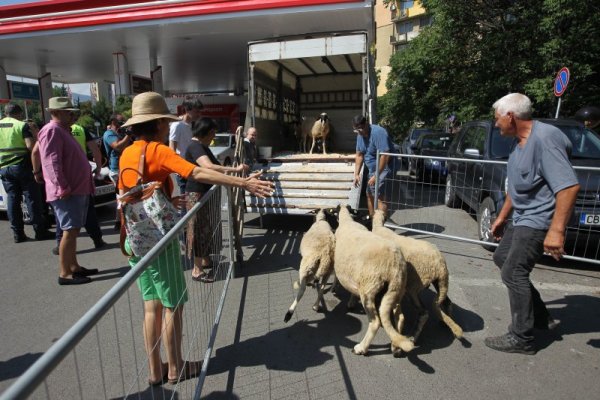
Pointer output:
x,y
123,106
477,51
59,91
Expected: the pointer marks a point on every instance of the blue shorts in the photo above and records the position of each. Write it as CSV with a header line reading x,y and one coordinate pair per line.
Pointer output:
x,y
384,184
71,213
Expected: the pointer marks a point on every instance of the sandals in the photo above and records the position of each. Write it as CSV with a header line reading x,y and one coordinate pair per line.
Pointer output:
x,y
203,277
187,372
164,379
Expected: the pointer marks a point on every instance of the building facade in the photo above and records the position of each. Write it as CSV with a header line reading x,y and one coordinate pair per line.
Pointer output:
x,y
396,25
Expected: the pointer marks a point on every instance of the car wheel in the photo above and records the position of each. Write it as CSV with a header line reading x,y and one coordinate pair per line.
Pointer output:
x,y
450,199
485,217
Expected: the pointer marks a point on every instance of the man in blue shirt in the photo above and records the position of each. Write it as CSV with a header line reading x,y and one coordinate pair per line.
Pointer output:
x,y
542,189
369,140
115,142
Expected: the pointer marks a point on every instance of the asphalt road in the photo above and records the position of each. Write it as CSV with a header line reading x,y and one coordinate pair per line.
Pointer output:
x,y
259,356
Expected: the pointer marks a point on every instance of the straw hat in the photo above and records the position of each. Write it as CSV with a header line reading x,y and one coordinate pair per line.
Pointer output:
x,y
60,103
148,106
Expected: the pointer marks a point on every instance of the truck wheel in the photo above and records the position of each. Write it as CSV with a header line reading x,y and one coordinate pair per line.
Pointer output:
x,y
485,217
450,199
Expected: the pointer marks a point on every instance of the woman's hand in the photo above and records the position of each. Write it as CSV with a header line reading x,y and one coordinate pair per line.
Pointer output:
x,y
258,188
179,201
254,175
242,168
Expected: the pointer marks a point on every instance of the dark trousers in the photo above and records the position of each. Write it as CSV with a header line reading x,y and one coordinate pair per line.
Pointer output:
x,y
519,250
18,181
91,224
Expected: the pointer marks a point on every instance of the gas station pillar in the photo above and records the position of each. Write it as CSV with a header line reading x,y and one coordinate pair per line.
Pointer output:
x,y
3,84
122,81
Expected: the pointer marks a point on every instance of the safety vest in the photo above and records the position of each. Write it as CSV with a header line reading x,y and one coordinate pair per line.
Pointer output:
x,y
12,144
79,134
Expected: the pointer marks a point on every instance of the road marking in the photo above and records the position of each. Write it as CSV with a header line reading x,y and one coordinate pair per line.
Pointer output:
x,y
558,287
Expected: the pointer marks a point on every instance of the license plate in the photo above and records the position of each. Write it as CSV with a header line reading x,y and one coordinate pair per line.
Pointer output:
x,y
589,219
102,190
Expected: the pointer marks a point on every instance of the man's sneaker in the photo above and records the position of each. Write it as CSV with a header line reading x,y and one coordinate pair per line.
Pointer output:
x,y
509,343
20,237
98,244
44,235
55,251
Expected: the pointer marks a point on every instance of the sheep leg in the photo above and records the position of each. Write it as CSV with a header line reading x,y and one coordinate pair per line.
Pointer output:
x,y
320,305
391,300
313,145
437,308
324,150
423,314
352,302
369,304
446,304
301,289
399,317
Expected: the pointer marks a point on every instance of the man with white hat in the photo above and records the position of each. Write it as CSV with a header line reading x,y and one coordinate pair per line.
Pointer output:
x,y
68,186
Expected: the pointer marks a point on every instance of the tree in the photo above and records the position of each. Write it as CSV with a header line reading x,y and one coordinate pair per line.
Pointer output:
x,y
476,51
59,91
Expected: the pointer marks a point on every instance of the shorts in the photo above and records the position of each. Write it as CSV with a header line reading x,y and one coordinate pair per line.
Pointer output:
x,y
163,279
384,184
71,212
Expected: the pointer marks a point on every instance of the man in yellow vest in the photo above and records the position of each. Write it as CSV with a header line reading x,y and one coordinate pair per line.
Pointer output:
x,y
16,171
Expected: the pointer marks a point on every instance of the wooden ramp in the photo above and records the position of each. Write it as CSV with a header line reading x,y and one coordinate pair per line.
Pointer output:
x,y
304,182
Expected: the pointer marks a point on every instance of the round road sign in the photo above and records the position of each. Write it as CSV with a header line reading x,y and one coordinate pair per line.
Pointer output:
x,y
561,81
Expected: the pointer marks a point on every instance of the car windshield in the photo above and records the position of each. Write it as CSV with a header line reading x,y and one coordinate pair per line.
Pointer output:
x,y
220,141
501,145
418,132
436,142
586,143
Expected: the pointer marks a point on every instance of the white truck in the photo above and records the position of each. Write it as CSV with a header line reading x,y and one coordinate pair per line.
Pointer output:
x,y
296,78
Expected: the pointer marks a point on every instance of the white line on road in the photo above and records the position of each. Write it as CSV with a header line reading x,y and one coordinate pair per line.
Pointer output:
x,y
558,287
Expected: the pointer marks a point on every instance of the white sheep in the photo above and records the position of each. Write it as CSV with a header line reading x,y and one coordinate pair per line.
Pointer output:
x,y
304,133
425,265
317,249
367,266
320,129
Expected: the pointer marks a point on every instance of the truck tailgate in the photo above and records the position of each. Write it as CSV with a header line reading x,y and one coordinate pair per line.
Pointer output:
x,y
306,182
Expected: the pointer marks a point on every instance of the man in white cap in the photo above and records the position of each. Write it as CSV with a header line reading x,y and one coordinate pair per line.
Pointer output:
x,y
69,186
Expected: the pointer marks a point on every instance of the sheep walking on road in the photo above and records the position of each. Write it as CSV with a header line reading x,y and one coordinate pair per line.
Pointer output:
x,y
317,247
367,265
320,129
425,265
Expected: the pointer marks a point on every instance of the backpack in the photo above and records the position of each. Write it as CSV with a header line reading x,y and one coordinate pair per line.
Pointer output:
x,y
147,213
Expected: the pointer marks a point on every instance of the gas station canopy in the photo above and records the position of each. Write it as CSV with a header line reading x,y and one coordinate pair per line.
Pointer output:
x,y
201,45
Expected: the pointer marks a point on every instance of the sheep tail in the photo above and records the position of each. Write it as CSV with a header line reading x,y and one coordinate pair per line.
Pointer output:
x,y
389,300
440,300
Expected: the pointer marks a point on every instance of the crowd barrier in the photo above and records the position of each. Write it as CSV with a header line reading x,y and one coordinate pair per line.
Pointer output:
x,y
103,354
458,199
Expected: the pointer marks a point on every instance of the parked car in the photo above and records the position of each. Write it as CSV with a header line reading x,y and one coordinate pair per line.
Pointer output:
x,y
411,138
482,186
223,147
430,169
104,194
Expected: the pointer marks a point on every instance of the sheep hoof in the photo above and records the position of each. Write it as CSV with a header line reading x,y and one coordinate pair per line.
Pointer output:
x,y
397,353
358,350
288,316
317,308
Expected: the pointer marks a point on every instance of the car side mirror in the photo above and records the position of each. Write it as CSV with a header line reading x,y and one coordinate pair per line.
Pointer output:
x,y
472,153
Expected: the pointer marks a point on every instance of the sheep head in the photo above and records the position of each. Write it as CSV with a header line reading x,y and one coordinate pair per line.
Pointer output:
x,y
323,117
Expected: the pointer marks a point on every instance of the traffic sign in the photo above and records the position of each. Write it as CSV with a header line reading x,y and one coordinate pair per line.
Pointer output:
x,y
561,81
24,91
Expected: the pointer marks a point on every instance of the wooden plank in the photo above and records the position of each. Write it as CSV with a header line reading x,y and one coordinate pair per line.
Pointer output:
x,y
308,168
335,177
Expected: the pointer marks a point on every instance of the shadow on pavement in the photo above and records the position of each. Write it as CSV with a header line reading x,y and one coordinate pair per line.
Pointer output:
x,y
15,367
156,392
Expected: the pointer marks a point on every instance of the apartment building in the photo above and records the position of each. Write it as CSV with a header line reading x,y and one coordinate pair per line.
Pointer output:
x,y
396,25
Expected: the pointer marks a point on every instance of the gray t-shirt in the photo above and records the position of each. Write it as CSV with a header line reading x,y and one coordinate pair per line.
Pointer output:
x,y
536,173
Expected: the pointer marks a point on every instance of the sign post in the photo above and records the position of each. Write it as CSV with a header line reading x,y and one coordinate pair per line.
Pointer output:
x,y
560,85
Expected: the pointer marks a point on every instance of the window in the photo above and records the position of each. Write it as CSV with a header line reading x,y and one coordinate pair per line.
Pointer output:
x,y
474,138
405,27
405,5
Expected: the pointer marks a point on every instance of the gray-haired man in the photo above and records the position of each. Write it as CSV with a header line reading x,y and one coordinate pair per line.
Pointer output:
x,y
542,188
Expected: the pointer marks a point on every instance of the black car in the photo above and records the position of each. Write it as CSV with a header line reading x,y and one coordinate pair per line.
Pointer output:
x,y
430,169
411,138
482,186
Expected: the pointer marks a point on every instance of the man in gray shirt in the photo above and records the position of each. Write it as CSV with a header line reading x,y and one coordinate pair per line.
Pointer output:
x,y
542,188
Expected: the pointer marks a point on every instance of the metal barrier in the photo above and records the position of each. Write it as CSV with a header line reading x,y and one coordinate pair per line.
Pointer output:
x,y
103,355
458,199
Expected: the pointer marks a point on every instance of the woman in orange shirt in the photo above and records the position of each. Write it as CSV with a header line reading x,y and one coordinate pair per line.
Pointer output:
x,y
162,284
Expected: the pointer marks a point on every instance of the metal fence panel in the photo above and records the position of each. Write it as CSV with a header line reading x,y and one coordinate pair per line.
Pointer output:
x,y
104,356
432,195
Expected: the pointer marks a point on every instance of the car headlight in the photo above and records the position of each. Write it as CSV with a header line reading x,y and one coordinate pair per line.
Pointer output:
x,y
427,161
435,163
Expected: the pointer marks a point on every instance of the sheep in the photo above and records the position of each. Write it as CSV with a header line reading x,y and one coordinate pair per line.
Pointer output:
x,y
317,247
425,265
367,265
304,133
320,129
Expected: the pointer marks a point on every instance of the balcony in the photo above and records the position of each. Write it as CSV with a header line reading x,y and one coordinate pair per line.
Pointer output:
x,y
403,37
